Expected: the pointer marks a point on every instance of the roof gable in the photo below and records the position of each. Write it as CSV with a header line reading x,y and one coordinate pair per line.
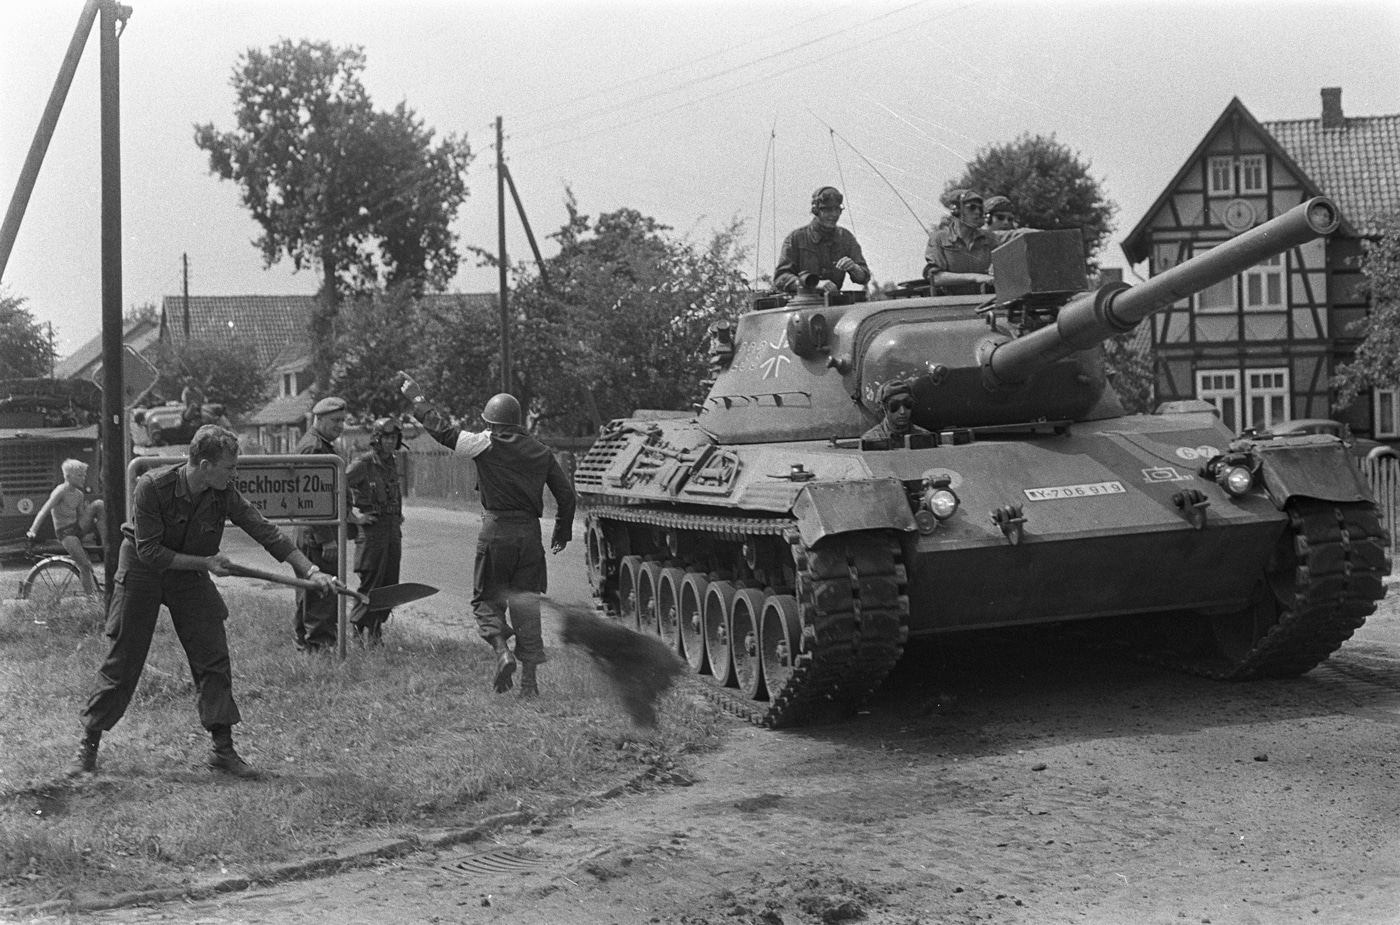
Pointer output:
x,y
263,324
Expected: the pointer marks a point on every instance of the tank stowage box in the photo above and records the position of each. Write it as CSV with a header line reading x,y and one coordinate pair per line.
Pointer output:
x,y
789,561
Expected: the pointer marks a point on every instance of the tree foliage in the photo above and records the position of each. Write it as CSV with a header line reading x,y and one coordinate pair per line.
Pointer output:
x,y
367,196
1376,364
231,378
26,350
1048,183
622,324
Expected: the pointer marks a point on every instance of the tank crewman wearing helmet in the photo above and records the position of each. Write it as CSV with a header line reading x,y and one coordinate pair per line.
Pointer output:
x,y
959,253
376,490
822,248
513,469
315,621
1001,215
897,404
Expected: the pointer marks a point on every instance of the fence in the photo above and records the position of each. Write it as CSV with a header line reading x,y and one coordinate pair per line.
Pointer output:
x,y
1384,476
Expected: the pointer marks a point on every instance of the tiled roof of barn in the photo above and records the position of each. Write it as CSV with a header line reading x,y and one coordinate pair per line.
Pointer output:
x,y
1358,165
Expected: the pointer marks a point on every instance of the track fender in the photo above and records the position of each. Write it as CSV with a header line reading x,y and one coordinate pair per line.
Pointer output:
x,y
828,508
1322,470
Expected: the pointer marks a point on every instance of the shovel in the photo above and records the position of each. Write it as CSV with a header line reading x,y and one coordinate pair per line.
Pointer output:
x,y
377,599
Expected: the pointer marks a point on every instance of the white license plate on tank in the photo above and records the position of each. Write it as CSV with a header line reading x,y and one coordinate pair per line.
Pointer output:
x,y
1091,490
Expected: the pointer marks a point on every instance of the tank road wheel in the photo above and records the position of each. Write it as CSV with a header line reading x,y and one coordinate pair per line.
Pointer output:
x,y
628,574
648,579
718,597
596,556
779,638
692,619
744,613
668,601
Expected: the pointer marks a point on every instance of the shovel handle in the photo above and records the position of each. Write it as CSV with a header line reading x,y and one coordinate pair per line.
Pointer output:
x,y
247,571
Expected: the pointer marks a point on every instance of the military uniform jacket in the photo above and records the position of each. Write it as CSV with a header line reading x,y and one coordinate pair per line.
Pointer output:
x,y
313,444
947,251
375,487
813,249
882,431
168,519
512,470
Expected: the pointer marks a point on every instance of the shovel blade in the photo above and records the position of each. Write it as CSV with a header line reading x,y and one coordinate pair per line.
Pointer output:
x,y
394,595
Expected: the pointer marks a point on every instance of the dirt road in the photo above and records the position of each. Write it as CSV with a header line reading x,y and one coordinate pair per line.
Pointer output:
x,y
1012,782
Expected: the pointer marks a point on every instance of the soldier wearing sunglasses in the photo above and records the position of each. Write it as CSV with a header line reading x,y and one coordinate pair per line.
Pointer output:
x,y
897,402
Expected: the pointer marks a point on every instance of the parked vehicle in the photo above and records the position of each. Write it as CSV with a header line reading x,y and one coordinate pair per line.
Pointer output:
x,y
1360,447
42,423
786,556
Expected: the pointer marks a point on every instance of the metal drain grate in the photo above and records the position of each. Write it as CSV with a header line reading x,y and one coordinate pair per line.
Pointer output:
x,y
500,861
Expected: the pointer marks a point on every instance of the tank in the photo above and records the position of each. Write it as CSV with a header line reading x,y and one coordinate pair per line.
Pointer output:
x,y
790,561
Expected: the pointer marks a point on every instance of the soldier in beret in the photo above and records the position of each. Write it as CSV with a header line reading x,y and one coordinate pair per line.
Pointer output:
x,y
897,403
315,623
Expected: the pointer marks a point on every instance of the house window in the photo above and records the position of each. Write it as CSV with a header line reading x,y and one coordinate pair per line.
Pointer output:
x,y
1267,397
1386,423
1222,176
1263,284
1252,174
1221,387
1218,298
288,379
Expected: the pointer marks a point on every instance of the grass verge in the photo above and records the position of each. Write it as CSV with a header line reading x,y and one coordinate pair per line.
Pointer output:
x,y
389,741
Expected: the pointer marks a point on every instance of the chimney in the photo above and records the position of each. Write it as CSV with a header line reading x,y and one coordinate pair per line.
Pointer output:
x,y
1332,117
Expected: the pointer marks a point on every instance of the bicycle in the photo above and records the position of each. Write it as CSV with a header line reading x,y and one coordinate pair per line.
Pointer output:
x,y
55,578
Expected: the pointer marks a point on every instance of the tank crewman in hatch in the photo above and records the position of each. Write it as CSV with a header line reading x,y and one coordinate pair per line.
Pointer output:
x,y
374,483
959,255
897,403
1001,215
821,247
512,469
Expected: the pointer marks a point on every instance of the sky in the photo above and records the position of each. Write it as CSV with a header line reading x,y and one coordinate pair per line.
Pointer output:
x,y
694,113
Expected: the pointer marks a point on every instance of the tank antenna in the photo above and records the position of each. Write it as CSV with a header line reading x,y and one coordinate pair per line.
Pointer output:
x,y
762,194
841,175
892,187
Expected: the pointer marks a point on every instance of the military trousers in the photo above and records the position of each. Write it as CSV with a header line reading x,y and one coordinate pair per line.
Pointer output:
x,y
317,618
510,576
378,553
197,612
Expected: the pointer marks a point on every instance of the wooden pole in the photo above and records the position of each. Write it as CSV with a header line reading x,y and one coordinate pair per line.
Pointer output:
x,y
113,429
501,255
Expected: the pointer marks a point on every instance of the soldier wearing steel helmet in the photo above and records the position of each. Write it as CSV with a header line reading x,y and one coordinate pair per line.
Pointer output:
x,y
513,469
821,249
376,490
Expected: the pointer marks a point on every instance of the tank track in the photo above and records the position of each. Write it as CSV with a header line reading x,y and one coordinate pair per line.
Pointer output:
x,y
1340,563
852,604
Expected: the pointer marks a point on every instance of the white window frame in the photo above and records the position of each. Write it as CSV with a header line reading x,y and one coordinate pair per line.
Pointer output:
x,y
1272,397
1385,405
1224,394
1266,285
1252,167
1198,300
1220,168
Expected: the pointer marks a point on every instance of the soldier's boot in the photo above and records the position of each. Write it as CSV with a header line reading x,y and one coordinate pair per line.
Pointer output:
x,y
529,682
86,760
505,664
225,759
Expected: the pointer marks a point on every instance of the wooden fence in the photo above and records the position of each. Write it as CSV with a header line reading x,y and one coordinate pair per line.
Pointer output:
x,y
1384,476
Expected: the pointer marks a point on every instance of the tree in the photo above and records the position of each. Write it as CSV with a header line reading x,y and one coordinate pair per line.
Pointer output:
x,y
365,195
379,334
622,324
1376,364
231,378
26,349
1048,183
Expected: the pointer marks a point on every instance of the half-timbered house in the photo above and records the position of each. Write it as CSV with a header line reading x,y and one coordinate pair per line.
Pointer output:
x,y
1263,345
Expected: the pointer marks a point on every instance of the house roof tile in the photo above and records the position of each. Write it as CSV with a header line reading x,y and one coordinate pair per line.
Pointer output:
x,y
1357,165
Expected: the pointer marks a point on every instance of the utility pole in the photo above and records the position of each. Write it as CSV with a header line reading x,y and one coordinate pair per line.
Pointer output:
x,y
501,234
113,430
185,297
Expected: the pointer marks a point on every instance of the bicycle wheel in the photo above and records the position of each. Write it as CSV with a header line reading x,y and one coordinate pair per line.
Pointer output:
x,y
51,582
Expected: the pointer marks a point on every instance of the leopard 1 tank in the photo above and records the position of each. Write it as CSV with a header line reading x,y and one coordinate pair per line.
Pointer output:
x,y
789,560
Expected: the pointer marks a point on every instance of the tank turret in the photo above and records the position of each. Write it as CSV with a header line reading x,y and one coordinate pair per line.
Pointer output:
x,y
810,370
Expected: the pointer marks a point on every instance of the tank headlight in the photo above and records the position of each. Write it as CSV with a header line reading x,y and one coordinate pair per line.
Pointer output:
x,y
1237,480
942,503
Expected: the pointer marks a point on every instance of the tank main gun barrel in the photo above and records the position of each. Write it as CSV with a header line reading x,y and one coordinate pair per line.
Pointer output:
x,y
1093,317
